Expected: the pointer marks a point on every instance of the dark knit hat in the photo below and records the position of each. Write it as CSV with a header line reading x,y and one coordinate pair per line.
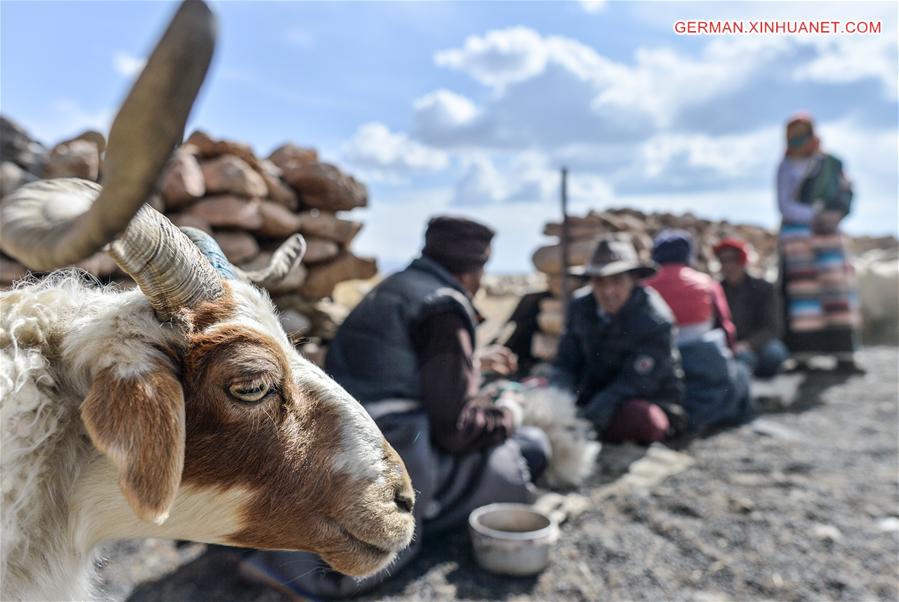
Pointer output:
x,y
673,246
458,244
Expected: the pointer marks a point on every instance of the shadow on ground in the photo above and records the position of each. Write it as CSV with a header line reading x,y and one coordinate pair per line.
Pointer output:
x,y
797,504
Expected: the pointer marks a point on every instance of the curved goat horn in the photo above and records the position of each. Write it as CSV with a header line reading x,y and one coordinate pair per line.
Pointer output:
x,y
285,257
290,252
40,225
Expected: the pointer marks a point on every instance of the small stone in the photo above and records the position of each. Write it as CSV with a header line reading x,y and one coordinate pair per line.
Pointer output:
x,y
710,597
888,525
188,220
279,192
12,176
324,186
232,175
75,159
319,250
769,428
237,246
227,211
346,266
288,155
324,224
277,220
740,505
17,146
183,180
827,533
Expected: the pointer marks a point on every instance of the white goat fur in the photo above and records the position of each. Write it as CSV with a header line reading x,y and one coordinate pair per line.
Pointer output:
x,y
59,494
573,440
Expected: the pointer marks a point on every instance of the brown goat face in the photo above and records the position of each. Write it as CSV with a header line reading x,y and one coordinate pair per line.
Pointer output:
x,y
316,472
230,436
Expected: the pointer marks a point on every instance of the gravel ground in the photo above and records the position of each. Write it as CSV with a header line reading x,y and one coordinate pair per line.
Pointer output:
x,y
801,504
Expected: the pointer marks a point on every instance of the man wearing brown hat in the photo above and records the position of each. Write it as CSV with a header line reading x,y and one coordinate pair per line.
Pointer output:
x,y
618,351
407,352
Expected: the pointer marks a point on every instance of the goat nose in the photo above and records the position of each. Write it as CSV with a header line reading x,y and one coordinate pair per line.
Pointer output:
x,y
404,501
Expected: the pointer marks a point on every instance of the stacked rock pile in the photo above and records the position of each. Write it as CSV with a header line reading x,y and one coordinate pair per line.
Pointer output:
x,y
249,204
639,227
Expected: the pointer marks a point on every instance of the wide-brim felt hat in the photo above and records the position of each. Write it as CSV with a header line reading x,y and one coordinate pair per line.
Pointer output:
x,y
614,256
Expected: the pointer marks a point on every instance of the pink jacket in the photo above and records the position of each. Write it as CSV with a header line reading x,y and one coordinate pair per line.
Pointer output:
x,y
694,298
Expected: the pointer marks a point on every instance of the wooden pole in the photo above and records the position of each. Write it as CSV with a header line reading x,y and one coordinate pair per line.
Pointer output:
x,y
566,294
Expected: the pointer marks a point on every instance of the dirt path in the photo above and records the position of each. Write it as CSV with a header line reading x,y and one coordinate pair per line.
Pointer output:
x,y
798,505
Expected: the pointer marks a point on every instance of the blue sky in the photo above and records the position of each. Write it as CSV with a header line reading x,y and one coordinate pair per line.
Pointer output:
x,y
471,108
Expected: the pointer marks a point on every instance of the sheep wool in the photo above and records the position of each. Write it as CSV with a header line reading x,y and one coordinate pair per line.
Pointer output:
x,y
37,424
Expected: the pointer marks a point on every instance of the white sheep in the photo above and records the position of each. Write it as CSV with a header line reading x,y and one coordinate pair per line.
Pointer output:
x,y
572,439
877,272
177,410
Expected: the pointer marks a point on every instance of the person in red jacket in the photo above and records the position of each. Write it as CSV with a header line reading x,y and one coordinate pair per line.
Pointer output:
x,y
717,385
696,299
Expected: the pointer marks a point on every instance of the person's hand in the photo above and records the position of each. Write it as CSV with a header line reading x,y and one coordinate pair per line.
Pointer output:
x,y
514,403
498,360
827,221
741,347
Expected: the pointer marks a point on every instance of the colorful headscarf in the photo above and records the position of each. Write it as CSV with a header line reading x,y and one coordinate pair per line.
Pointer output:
x,y
799,141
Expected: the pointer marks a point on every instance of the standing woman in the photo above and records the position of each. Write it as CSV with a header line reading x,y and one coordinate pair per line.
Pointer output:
x,y
820,298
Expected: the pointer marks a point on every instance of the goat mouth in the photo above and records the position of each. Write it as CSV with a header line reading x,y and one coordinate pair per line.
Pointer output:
x,y
359,558
368,547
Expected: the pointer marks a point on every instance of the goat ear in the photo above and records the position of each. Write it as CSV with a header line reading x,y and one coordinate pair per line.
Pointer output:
x,y
138,423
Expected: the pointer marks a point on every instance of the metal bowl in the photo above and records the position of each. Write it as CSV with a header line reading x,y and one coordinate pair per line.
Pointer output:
x,y
512,539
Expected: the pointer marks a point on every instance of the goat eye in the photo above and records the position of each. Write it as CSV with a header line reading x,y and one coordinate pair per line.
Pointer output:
x,y
250,393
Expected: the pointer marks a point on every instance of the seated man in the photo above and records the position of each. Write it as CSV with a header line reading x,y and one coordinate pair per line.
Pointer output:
x,y
407,352
717,386
754,305
618,353
695,298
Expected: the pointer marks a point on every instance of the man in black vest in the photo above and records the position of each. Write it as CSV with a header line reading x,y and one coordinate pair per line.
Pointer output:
x,y
407,352
413,338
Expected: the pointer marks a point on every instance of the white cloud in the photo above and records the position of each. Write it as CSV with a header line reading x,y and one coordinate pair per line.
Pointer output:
x,y
375,146
853,58
395,224
555,89
834,58
728,157
549,90
869,157
592,6
69,118
126,64
500,57
443,116
727,177
528,177
480,184
662,83
675,126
